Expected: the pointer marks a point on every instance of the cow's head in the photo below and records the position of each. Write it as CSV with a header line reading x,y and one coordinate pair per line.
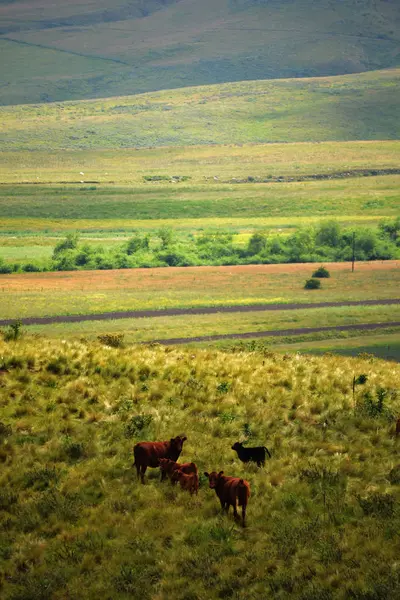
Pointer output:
x,y
176,445
213,478
237,446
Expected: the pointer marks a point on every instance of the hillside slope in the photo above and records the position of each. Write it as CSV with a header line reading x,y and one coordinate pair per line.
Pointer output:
x,y
82,49
351,107
323,515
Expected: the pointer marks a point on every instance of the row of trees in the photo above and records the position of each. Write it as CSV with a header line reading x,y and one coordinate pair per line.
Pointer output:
x,y
327,241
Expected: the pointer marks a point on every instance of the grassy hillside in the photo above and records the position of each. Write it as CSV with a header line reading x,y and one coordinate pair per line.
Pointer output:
x,y
323,517
54,51
353,107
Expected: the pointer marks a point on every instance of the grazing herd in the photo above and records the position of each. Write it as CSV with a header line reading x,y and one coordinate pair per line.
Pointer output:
x,y
231,491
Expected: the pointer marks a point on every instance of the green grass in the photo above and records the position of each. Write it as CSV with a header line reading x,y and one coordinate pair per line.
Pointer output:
x,y
386,346
323,515
344,108
366,196
103,49
149,329
122,166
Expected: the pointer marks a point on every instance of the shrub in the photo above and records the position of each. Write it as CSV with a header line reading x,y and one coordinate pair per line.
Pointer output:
x,y
377,505
312,284
31,268
40,478
394,475
14,331
70,243
5,430
321,272
4,268
115,340
136,424
374,407
74,450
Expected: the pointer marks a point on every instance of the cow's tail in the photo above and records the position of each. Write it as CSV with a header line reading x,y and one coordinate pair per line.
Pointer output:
x,y
243,493
268,452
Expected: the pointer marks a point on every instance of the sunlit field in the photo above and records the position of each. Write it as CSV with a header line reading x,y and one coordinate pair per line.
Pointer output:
x,y
323,515
82,292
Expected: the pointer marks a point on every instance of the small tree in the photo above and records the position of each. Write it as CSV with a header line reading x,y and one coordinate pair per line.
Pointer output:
x,y
312,284
70,243
257,243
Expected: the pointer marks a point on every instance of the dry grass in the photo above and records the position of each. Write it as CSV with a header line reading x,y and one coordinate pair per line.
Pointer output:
x,y
323,516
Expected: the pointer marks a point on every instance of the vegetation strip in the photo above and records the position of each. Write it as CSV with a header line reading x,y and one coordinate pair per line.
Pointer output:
x,y
272,333
205,310
315,177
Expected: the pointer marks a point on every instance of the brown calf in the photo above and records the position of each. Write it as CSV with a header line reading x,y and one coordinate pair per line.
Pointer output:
x,y
398,427
148,454
172,469
189,482
229,491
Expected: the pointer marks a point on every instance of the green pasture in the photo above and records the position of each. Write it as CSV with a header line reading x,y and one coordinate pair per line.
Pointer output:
x,y
121,166
355,196
188,326
349,107
385,346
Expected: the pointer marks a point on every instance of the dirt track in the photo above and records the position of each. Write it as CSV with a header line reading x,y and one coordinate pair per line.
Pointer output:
x,y
273,333
206,310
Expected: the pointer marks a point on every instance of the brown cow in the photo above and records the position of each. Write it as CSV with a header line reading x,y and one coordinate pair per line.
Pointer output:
x,y
229,491
171,468
398,427
148,454
189,482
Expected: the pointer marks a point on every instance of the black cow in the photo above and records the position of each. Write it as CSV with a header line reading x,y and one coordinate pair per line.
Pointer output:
x,y
256,454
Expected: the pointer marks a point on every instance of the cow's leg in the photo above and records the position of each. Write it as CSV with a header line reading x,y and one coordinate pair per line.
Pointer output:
x,y
235,512
135,464
143,471
244,515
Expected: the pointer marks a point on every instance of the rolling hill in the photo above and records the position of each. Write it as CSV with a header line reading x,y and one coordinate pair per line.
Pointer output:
x,y
362,106
54,51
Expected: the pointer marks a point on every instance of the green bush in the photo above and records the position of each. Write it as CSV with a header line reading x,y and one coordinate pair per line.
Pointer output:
x,y
137,424
321,272
13,332
312,284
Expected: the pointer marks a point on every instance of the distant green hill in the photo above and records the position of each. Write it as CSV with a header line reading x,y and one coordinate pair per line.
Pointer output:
x,y
351,107
85,48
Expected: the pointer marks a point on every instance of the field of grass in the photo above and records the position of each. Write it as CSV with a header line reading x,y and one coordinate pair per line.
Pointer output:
x,y
86,49
187,326
385,346
122,166
82,292
123,201
363,196
343,108
323,516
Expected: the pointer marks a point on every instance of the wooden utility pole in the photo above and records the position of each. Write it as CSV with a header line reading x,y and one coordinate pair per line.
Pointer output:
x,y
354,252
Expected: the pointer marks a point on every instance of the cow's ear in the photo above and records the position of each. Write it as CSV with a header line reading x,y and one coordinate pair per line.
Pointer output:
x,y
184,439
220,473
206,474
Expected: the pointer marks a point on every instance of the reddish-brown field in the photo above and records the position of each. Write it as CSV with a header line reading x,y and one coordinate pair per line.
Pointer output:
x,y
88,292
181,277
